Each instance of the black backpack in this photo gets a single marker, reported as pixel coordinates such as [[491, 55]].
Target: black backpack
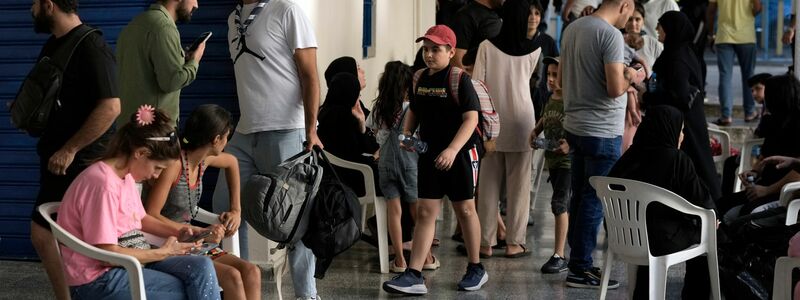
[[39, 94], [335, 224]]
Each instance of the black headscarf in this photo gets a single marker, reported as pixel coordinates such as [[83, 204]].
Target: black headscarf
[[678, 28], [513, 37], [344, 64], [343, 90], [677, 44], [660, 128]]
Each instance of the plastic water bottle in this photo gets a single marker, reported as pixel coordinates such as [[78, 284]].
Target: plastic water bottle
[[652, 83], [413, 143]]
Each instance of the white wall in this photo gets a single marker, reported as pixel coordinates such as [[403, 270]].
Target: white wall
[[338, 25]]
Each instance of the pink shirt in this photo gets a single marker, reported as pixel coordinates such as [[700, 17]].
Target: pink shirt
[[97, 208]]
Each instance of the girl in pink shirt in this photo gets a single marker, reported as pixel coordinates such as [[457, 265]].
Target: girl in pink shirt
[[102, 207]]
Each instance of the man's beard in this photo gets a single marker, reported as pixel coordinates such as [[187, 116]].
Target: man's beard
[[42, 23], [185, 15]]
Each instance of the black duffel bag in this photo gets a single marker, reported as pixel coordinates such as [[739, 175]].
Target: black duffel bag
[[335, 223]]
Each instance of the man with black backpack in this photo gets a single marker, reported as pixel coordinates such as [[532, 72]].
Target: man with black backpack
[[80, 122]]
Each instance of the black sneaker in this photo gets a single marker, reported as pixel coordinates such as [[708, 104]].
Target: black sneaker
[[406, 283], [474, 279], [588, 279], [556, 264]]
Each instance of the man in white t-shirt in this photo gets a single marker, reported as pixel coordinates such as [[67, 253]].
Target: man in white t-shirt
[[654, 9], [274, 52]]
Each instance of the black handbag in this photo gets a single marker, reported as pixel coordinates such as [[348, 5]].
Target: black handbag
[[335, 224]]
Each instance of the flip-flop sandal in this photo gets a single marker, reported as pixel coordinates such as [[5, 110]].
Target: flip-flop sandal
[[524, 253]]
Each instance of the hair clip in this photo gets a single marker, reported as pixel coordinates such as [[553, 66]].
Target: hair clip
[[145, 115], [170, 138]]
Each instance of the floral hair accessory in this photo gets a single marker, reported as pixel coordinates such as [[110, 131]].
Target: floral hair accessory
[[145, 115]]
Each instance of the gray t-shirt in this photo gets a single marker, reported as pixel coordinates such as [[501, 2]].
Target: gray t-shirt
[[588, 45]]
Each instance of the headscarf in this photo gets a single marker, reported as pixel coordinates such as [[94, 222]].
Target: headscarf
[[660, 128], [344, 64], [343, 90], [678, 28], [513, 37], [678, 52]]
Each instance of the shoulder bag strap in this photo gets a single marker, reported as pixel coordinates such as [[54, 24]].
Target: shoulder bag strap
[[61, 57]]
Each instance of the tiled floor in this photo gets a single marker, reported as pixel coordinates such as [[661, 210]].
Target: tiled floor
[[356, 275]]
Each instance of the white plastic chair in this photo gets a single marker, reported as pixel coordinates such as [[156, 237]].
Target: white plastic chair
[[725, 142], [61, 236], [789, 201], [624, 205], [369, 198], [745, 158], [782, 284]]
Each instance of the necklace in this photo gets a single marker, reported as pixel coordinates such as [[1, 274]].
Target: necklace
[[192, 195]]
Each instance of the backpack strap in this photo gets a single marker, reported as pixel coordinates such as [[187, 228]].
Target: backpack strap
[[61, 57], [455, 80], [416, 77]]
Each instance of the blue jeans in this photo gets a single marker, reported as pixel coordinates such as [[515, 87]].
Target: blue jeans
[[591, 156], [746, 53], [261, 152], [178, 277]]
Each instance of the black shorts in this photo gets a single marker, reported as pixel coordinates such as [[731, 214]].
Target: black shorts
[[52, 187], [458, 183]]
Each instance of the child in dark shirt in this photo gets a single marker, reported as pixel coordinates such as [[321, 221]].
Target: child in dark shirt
[[450, 165]]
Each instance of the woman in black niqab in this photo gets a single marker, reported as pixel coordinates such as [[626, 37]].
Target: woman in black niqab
[[680, 85], [655, 158]]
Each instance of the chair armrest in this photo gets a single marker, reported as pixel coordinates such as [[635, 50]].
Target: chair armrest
[[207, 217], [230, 244], [791, 212], [787, 192]]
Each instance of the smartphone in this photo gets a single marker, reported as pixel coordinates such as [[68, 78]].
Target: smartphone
[[198, 236], [205, 247], [202, 39]]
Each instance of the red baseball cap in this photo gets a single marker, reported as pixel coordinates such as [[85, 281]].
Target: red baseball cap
[[440, 35]]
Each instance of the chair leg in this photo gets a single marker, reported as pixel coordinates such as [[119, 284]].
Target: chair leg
[[383, 239], [606, 274], [632, 279], [277, 273], [713, 272], [363, 217], [657, 280]]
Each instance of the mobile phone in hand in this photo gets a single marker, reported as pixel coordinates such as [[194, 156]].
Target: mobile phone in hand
[[205, 247], [198, 236], [201, 39]]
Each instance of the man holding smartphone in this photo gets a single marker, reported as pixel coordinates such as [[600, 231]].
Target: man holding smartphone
[[153, 67]]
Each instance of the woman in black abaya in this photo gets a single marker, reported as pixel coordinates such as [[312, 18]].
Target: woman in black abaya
[[680, 84]]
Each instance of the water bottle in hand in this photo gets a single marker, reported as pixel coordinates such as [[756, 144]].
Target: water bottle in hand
[[652, 83], [546, 144], [413, 143]]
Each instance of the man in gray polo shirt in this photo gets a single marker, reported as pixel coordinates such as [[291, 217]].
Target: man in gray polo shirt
[[594, 82]]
